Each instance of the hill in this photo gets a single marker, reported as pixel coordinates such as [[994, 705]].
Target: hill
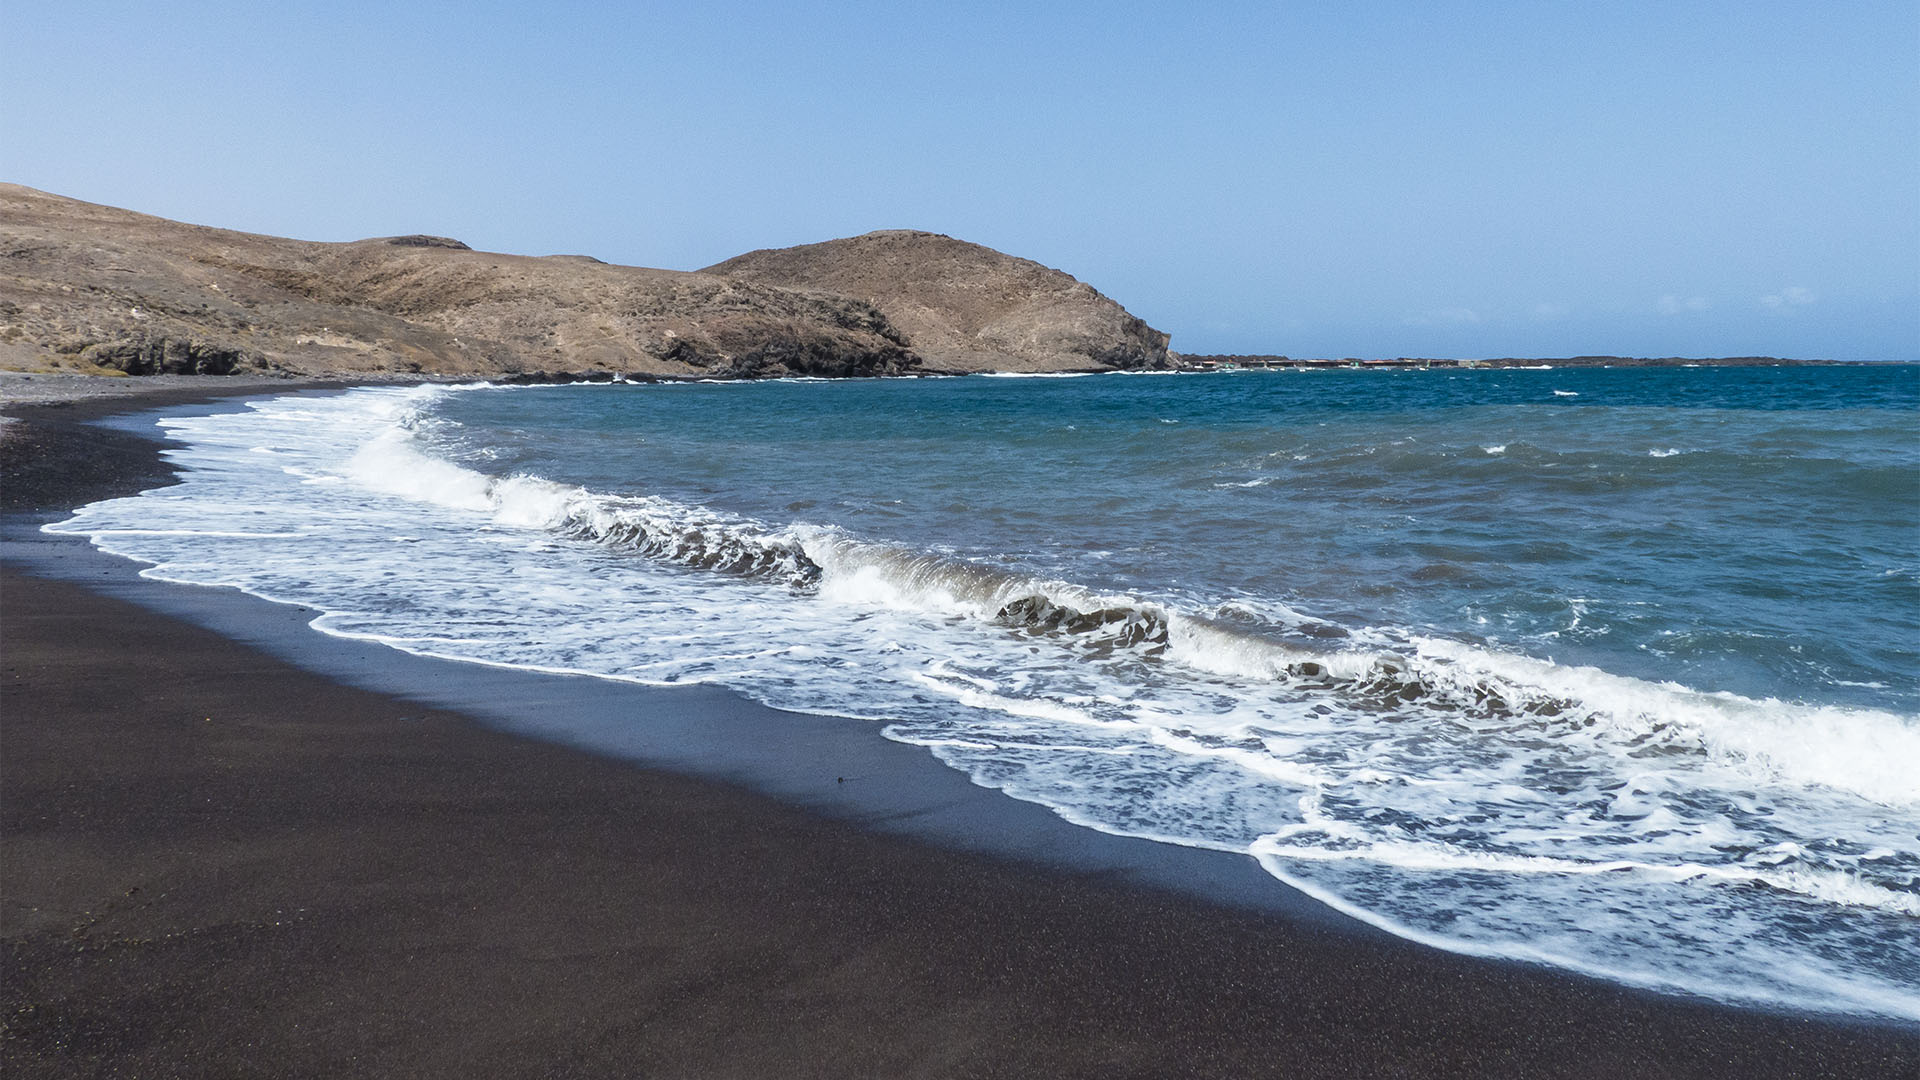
[[964, 307], [94, 288]]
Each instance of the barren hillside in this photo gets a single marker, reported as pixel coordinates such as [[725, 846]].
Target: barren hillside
[[91, 288], [86, 287], [964, 307]]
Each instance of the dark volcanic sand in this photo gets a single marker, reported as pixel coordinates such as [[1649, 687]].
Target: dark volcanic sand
[[217, 864]]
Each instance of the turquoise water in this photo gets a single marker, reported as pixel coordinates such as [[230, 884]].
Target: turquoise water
[[1608, 669]]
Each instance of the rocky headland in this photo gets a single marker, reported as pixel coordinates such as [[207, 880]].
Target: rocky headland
[[98, 290], [964, 307]]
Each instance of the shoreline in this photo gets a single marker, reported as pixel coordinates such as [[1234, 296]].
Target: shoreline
[[58, 387], [1176, 964]]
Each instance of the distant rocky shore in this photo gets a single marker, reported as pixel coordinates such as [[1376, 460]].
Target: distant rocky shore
[[1227, 362], [94, 290]]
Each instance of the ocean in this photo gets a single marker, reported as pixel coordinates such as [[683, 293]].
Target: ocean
[[1616, 670]]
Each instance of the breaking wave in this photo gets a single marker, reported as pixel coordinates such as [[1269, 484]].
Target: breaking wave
[[1858, 751]]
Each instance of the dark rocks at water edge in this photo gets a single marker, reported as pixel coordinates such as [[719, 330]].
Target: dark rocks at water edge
[[94, 289]]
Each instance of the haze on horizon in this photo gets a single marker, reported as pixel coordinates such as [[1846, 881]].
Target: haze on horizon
[[1436, 179]]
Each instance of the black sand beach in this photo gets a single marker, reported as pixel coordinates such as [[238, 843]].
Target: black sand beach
[[220, 863]]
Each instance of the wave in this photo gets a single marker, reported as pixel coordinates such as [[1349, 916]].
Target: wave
[[1829, 886], [1863, 752], [1750, 972], [656, 528]]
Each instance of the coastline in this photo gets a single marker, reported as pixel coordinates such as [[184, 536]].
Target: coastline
[[463, 898]]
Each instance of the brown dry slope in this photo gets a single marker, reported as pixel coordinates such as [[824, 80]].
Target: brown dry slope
[[97, 289], [964, 307]]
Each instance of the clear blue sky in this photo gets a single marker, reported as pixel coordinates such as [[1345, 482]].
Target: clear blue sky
[[1372, 179]]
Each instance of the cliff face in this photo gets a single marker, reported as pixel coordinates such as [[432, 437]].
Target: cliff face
[[87, 287], [963, 307]]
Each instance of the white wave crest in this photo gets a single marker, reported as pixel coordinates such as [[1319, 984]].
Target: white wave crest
[[1869, 753], [1218, 649]]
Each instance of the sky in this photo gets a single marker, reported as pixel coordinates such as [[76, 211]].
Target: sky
[[1315, 179]]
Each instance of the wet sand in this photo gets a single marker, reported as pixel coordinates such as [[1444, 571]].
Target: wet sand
[[220, 863]]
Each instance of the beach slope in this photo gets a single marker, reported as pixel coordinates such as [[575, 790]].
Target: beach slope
[[220, 864]]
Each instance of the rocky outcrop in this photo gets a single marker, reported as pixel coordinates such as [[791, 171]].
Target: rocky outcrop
[[145, 354], [418, 240], [964, 307], [86, 287]]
